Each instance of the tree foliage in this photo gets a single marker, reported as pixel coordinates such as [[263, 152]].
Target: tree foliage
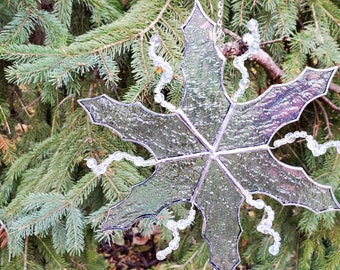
[[53, 52]]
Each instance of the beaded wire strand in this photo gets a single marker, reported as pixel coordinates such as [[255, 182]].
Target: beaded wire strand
[[316, 148]]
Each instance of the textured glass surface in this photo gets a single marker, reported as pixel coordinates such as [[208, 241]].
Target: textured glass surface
[[220, 202], [212, 151], [255, 122], [170, 183], [261, 172], [137, 124], [202, 68]]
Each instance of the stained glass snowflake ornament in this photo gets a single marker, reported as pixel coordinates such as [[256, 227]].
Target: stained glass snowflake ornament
[[212, 151]]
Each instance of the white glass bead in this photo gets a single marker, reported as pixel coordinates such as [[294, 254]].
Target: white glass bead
[[118, 155], [267, 224], [290, 137], [167, 76], [173, 244], [160, 255], [138, 161], [167, 250], [249, 39], [171, 225], [260, 228], [155, 40], [91, 163], [244, 83], [276, 237], [274, 249], [303, 134], [259, 204], [182, 224], [159, 98], [252, 25]]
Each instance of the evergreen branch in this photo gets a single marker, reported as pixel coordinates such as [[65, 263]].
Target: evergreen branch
[[38, 222], [74, 231], [331, 16], [20, 165], [6, 147], [55, 32], [25, 253], [97, 217], [123, 36], [21, 53], [18, 30], [82, 190], [143, 59], [108, 69], [63, 11], [117, 193], [58, 261]]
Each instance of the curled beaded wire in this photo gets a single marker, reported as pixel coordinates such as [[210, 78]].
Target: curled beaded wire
[[266, 224], [253, 41], [174, 227], [167, 74]]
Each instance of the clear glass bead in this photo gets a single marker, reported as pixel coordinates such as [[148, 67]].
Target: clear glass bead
[[159, 98], [182, 224], [252, 25], [91, 163], [259, 204], [274, 250], [155, 40], [173, 244], [171, 225]]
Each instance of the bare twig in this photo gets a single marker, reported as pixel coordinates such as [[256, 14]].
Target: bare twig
[[331, 104], [25, 253], [231, 34], [273, 70], [283, 39], [334, 88], [5, 120], [325, 115]]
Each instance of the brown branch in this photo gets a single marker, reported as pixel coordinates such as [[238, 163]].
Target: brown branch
[[239, 47], [273, 70], [330, 104], [325, 115], [334, 88]]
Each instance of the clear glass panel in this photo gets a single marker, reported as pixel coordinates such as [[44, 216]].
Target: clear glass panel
[[171, 183], [204, 101], [220, 202], [261, 172], [164, 135], [254, 123]]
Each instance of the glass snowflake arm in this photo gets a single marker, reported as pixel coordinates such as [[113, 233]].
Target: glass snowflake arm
[[133, 122], [170, 183], [261, 172], [255, 122], [204, 100], [219, 203]]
